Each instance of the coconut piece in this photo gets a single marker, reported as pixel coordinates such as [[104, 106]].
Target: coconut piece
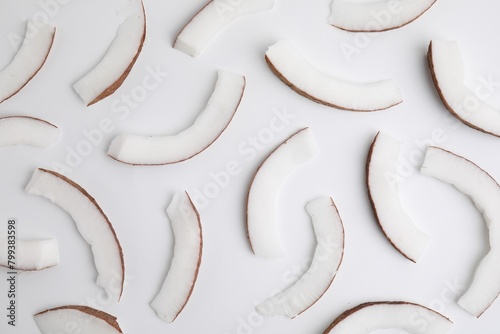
[[376, 16], [484, 192], [25, 130], [76, 319], [305, 79], [368, 317], [181, 278], [328, 255], [398, 228], [207, 127], [211, 19], [91, 222], [448, 74], [261, 226], [28, 60], [109, 74], [30, 255]]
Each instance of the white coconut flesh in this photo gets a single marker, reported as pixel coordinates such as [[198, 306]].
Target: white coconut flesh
[[28, 60], [307, 80], [76, 319], [121, 55], [181, 278], [377, 15], [211, 19], [261, 225], [30, 255], [24, 130], [397, 226], [484, 192], [207, 127], [369, 317], [91, 222], [329, 232], [448, 74]]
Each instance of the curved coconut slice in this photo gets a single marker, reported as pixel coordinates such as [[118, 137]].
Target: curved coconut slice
[[484, 191], [181, 277], [261, 227], [28, 60], [328, 255], [445, 62], [104, 79], [384, 199], [305, 79], [91, 222], [30, 254], [368, 317], [208, 126], [25, 130], [376, 16], [211, 19], [76, 319]]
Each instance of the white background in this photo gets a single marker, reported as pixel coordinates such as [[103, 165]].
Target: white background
[[231, 278]]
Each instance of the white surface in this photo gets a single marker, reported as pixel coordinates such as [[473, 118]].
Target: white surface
[[232, 279]]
